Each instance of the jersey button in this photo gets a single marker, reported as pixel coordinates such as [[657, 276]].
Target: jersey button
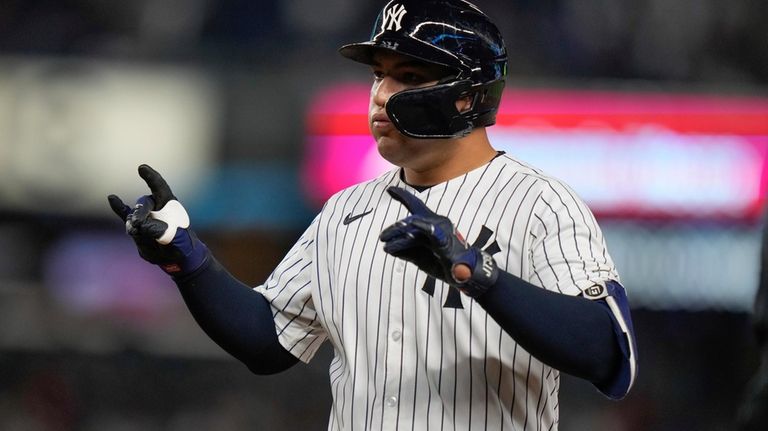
[[396, 335], [392, 401], [399, 267]]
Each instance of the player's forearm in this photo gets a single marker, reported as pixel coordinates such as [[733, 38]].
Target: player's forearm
[[236, 317], [572, 334]]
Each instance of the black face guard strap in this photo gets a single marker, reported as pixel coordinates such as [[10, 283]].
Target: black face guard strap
[[430, 112]]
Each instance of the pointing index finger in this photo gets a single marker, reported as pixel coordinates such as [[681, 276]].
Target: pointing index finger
[[414, 204], [122, 210], [161, 192]]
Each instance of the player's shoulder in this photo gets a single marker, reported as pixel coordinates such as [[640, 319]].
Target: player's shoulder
[[543, 183], [535, 174]]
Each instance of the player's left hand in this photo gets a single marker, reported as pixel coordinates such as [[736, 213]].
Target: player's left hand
[[430, 241]]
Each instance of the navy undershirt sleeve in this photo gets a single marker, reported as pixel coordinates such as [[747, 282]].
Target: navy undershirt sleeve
[[570, 333], [236, 317]]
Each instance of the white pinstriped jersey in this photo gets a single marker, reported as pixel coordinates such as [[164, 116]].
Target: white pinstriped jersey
[[410, 352]]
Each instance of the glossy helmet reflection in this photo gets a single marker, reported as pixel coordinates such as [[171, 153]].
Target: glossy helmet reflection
[[452, 33]]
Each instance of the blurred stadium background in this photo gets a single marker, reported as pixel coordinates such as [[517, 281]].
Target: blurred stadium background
[[656, 111]]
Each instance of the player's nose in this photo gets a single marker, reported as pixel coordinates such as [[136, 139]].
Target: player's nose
[[383, 90]]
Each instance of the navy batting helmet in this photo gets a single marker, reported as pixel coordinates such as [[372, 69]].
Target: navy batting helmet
[[451, 33]]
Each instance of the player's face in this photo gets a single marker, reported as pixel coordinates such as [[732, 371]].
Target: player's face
[[393, 73]]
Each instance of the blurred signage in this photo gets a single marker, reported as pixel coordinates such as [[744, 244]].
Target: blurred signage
[[73, 131], [629, 155]]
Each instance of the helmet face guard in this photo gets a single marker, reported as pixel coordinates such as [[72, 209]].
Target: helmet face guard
[[430, 112], [451, 33]]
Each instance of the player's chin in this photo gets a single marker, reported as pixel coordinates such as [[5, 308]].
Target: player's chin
[[393, 148], [386, 135]]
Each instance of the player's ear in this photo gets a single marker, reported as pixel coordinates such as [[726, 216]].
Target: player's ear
[[464, 104]]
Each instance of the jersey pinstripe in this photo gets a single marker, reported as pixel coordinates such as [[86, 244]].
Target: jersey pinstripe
[[410, 352]]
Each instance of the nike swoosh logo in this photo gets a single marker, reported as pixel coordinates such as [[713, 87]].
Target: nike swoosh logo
[[350, 218]]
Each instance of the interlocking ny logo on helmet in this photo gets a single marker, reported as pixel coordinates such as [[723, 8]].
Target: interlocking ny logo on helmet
[[451, 33], [392, 17]]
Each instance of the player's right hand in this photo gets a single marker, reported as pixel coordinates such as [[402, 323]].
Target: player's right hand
[[431, 241], [159, 225]]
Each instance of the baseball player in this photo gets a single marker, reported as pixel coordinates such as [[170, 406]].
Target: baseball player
[[455, 288]]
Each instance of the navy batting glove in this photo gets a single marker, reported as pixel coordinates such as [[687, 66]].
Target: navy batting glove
[[159, 225], [432, 243]]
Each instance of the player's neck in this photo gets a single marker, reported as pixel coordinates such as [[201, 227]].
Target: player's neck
[[468, 153]]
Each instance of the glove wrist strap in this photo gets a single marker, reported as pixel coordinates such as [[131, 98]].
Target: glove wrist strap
[[195, 254], [484, 275]]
